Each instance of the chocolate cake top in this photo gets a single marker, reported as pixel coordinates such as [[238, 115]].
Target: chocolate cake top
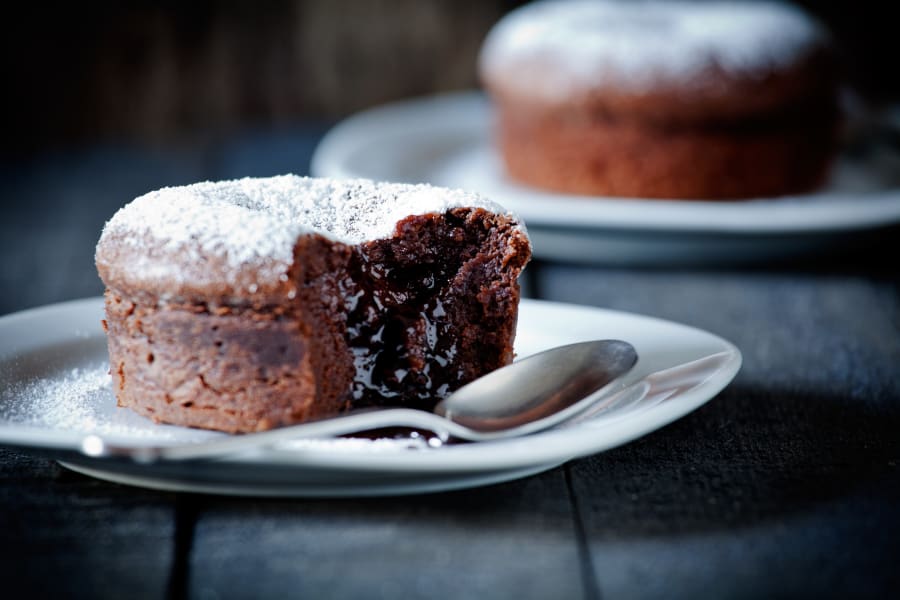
[[235, 239]]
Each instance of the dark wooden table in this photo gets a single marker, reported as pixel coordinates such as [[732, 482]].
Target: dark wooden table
[[786, 485]]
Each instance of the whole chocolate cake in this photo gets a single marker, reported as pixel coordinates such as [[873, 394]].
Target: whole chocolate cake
[[663, 99], [251, 304]]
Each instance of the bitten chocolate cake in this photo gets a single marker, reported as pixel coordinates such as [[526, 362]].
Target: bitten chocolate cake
[[251, 304], [682, 100]]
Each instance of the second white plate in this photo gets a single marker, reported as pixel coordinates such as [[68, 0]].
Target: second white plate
[[446, 140]]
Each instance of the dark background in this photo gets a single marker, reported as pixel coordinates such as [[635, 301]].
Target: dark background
[[787, 485], [161, 72]]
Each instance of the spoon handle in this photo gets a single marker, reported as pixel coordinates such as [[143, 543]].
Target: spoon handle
[[97, 447]]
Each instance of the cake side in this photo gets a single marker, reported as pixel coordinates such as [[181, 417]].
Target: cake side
[[228, 370], [568, 152]]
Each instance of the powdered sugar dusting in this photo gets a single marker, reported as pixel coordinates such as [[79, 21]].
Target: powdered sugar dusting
[[256, 221], [637, 44], [78, 400]]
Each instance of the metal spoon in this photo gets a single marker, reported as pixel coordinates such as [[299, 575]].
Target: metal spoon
[[530, 395]]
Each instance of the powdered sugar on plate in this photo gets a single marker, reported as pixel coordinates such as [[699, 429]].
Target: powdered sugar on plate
[[77, 400], [80, 400]]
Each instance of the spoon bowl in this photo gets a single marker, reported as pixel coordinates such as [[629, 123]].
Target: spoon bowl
[[539, 391], [529, 395]]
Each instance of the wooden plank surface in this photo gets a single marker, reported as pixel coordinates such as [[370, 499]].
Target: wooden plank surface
[[517, 538], [64, 535]]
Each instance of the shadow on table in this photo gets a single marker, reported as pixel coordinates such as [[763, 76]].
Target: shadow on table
[[748, 456]]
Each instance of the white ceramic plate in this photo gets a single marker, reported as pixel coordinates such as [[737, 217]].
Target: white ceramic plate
[[445, 140], [55, 390]]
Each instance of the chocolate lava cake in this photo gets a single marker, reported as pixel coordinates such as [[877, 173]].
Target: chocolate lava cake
[[663, 99], [257, 303]]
